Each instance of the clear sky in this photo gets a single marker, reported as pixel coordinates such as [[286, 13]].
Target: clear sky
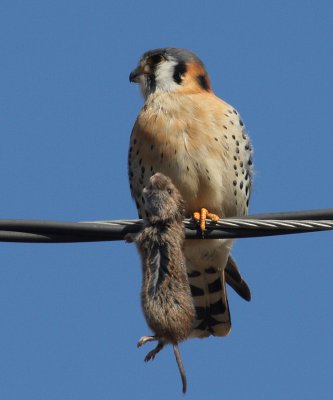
[[70, 315]]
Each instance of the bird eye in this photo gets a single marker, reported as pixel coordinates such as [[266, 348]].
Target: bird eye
[[156, 59], [169, 191]]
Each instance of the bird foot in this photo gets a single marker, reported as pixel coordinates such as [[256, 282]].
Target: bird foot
[[200, 218]]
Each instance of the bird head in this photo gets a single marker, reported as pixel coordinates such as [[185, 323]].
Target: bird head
[[170, 70]]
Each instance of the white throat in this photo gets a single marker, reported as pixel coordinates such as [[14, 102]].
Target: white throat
[[164, 81], [164, 76]]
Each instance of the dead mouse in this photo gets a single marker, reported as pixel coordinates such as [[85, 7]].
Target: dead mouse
[[165, 296]]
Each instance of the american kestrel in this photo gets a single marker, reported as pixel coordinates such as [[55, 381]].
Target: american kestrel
[[189, 134]]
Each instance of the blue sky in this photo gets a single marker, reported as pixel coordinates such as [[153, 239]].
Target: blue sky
[[69, 313]]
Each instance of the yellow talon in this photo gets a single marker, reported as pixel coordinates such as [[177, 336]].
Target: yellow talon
[[202, 216]]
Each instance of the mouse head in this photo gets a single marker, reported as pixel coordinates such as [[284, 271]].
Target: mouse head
[[162, 199]]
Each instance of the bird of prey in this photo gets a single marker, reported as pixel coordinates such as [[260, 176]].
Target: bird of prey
[[189, 134]]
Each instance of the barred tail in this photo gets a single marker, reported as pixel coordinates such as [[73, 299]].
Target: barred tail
[[208, 289]]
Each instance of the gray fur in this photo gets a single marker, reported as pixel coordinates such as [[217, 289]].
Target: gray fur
[[165, 296]]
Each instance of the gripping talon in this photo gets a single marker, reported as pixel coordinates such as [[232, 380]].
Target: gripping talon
[[201, 217], [213, 217]]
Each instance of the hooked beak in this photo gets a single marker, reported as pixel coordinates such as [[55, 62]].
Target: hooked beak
[[135, 75]]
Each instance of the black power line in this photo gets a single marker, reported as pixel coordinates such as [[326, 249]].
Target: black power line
[[33, 231]]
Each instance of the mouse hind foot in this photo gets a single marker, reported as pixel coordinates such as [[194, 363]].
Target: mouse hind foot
[[151, 355], [146, 339]]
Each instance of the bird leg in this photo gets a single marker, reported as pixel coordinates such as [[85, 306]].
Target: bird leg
[[201, 217]]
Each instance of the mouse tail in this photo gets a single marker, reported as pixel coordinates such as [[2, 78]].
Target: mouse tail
[[180, 366]]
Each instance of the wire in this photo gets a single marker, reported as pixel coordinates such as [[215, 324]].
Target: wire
[[34, 231]]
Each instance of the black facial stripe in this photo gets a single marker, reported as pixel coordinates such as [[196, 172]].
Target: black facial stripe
[[203, 82], [179, 71], [151, 82]]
